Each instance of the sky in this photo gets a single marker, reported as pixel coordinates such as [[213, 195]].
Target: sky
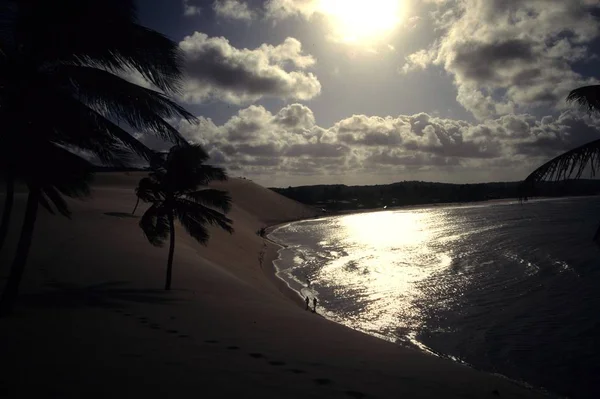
[[300, 92]]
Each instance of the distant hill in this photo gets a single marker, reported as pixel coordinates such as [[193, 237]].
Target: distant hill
[[342, 197]]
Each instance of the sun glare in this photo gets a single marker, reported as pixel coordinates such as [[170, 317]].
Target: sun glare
[[360, 20]]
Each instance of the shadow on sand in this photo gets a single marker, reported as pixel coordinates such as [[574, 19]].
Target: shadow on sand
[[121, 215], [110, 294]]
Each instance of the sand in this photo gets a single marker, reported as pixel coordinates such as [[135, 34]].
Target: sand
[[93, 320]]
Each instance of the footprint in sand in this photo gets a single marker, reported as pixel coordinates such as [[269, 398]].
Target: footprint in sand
[[233, 347], [155, 326], [211, 341], [296, 371], [276, 363], [356, 394], [183, 336], [173, 363], [172, 331], [323, 381], [132, 355], [256, 355]]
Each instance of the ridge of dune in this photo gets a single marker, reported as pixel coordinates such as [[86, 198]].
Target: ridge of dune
[[93, 320]]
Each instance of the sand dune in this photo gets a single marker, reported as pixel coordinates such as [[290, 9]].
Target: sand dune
[[94, 322]]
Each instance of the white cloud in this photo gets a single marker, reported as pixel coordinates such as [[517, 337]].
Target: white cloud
[[281, 9], [233, 9], [510, 56], [217, 70], [190, 10], [373, 149]]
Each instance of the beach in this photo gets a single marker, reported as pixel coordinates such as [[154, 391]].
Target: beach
[[93, 320]]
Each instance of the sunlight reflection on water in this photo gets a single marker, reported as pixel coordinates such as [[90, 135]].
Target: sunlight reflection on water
[[377, 260]]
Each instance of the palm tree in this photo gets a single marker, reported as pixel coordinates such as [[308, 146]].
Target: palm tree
[[573, 163], [63, 173], [173, 190], [73, 74], [137, 202]]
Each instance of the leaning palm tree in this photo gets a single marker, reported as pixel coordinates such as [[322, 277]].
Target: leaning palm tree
[[572, 164], [63, 174], [137, 202], [76, 78], [176, 188]]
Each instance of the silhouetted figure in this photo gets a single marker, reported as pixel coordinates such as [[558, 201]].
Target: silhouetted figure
[[307, 302], [314, 305]]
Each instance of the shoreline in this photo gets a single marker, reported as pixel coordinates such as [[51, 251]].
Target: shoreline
[[297, 297]]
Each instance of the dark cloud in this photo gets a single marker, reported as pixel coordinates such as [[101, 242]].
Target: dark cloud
[[511, 56], [483, 61], [215, 69], [317, 150]]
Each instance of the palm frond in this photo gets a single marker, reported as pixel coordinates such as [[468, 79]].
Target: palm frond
[[204, 215], [57, 200], [186, 157], [194, 227], [208, 173], [46, 204], [118, 99], [57, 172], [75, 124], [569, 165], [212, 198], [57, 167], [64, 173], [149, 190], [123, 43], [186, 170], [157, 58], [155, 225], [587, 97]]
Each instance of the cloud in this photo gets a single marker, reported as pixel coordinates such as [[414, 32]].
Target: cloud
[[217, 70], [233, 9], [281, 9], [291, 148], [510, 56], [190, 10]]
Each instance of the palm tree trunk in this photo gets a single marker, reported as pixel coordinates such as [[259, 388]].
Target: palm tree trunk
[[136, 205], [8, 204], [171, 251], [18, 267]]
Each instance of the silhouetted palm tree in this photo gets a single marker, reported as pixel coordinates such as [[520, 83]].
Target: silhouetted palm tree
[[137, 202], [173, 190], [573, 163], [63, 173], [65, 56]]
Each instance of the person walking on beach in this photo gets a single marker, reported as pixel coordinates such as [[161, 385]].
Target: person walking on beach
[[314, 305], [307, 302]]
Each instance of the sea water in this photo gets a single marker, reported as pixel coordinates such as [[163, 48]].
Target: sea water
[[508, 288]]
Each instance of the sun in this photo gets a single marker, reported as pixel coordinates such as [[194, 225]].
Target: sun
[[356, 21]]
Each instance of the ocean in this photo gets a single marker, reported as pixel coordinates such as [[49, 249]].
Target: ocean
[[508, 288]]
